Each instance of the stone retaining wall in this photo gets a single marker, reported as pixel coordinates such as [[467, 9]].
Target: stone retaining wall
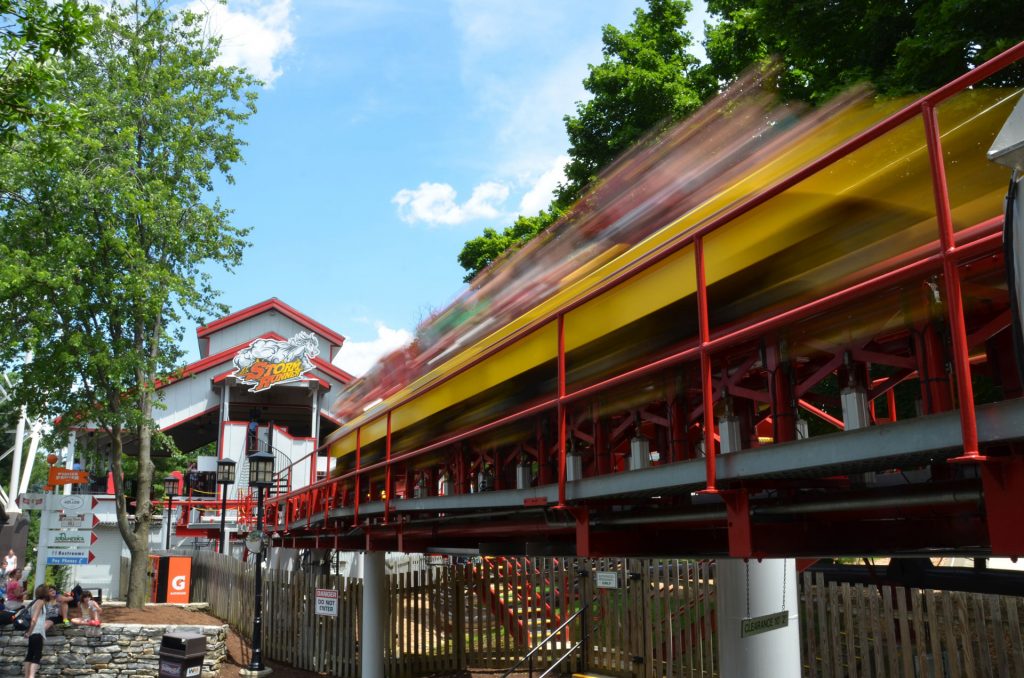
[[108, 650]]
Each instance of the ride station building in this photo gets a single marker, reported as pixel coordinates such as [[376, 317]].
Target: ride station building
[[264, 380]]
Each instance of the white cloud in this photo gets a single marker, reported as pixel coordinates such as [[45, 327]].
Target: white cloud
[[539, 197], [255, 33], [356, 357], [436, 203]]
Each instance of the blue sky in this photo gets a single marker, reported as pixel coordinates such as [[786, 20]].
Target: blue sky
[[390, 132]]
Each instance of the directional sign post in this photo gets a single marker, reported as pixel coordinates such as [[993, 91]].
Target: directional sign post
[[66, 530], [72, 504], [32, 501], [72, 538], [67, 476], [84, 521], [69, 556]]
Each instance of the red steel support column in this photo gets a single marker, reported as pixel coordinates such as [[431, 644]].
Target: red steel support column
[[543, 458], [387, 472], [678, 449], [783, 398], [954, 301], [602, 453], [358, 478], [561, 410], [707, 384]]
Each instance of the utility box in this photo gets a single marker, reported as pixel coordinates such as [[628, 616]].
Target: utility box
[[172, 579], [181, 655]]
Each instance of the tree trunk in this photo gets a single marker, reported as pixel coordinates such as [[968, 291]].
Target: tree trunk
[[139, 582], [136, 537]]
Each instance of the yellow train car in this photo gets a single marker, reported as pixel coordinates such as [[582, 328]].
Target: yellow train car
[[833, 229]]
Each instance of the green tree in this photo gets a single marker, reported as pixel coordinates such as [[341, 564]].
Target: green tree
[[825, 47], [647, 78], [479, 252], [106, 249], [34, 36]]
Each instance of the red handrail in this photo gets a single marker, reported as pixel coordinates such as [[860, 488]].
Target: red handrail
[[947, 257]]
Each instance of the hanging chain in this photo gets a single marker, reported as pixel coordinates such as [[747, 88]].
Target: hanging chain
[[747, 563], [783, 584]]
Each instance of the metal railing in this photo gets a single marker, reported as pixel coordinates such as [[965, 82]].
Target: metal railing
[[528, 657]]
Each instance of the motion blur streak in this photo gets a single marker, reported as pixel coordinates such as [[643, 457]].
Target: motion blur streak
[[844, 224]]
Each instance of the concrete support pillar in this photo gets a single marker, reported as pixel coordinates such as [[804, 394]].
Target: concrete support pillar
[[753, 590], [371, 651]]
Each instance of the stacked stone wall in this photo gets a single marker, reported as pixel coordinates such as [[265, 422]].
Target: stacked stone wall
[[108, 650]]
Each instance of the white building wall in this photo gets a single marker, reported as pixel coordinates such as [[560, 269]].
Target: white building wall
[[247, 330], [189, 397], [297, 451]]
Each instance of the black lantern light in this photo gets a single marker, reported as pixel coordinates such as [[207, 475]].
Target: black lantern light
[[171, 485], [225, 477], [261, 475]]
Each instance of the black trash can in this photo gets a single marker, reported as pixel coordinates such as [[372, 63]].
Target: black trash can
[[181, 655]]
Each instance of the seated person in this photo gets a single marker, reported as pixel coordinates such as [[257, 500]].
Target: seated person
[[56, 609], [90, 610], [15, 598]]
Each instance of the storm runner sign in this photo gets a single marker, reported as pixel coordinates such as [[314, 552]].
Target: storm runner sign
[[268, 362]]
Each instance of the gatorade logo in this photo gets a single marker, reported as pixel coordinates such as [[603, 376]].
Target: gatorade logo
[[178, 583]]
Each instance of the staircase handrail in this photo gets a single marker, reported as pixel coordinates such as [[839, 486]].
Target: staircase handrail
[[536, 648]]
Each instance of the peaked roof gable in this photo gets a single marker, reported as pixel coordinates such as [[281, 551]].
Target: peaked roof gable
[[272, 304]]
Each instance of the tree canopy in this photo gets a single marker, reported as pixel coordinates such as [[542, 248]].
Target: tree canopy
[[648, 77], [34, 37], [898, 47], [107, 244]]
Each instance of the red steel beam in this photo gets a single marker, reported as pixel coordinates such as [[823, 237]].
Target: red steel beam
[[673, 245], [710, 470], [561, 410], [951, 278], [947, 258]]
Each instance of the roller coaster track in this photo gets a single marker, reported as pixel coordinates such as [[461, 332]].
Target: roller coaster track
[[870, 273]]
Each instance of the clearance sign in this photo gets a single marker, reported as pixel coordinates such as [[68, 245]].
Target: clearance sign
[[268, 362]]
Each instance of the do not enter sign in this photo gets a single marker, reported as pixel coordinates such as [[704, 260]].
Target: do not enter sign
[[327, 602]]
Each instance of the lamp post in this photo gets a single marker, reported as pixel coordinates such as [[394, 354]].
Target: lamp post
[[170, 489], [261, 476], [225, 477]]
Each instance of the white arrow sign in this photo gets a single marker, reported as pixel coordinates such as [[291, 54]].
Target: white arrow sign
[[84, 521], [75, 538], [69, 556], [71, 504], [32, 501]]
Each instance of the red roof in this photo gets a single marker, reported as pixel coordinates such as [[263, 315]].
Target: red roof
[[273, 304]]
